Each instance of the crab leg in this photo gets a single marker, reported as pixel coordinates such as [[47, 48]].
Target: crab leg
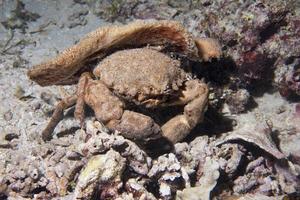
[[110, 110], [57, 116], [77, 99], [180, 126], [80, 104]]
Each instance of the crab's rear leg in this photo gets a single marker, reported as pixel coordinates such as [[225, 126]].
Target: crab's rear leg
[[65, 103], [195, 97], [80, 104], [57, 116]]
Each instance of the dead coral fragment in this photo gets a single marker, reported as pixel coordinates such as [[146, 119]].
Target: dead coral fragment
[[206, 183], [100, 141], [190, 155], [100, 170], [256, 196], [289, 84], [229, 157], [238, 101], [258, 135], [135, 189], [171, 177]]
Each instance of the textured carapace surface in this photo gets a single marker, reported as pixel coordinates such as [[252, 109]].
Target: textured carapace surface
[[141, 74]]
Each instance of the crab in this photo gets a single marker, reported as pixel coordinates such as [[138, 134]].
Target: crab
[[135, 64]]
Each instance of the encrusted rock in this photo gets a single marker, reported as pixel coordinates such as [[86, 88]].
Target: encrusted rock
[[101, 170], [137, 189], [229, 158], [205, 185], [100, 141], [191, 154], [259, 135], [238, 101], [167, 170]]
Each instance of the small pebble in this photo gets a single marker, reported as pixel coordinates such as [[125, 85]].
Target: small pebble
[[3, 142], [17, 186], [280, 109], [234, 123], [43, 182], [20, 174], [60, 169], [36, 105], [8, 115], [10, 136], [5, 145], [19, 92], [72, 155], [64, 142], [47, 110], [16, 64], [46, 97], [34, 174]]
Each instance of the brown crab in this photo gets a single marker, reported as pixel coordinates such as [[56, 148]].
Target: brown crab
[[135, 66]]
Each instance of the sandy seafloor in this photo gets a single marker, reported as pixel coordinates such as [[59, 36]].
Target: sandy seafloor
[[261, 162]]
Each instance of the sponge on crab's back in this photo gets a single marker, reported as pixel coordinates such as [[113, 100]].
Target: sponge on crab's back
[[62, 69]]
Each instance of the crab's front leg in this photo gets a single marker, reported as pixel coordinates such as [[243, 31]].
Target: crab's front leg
[[110, 110], [195, 96]]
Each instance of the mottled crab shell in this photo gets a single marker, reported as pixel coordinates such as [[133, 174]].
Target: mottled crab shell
[[145, 75], [65, 67]]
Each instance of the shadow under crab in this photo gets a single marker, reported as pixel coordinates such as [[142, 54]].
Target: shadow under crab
[[143, 74]]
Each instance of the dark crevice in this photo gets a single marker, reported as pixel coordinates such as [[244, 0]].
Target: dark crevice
[[156, 148], [39, 190], [3, 197], [217, 72], [70, 131], [153, 187], [274, 27], [213, 124]]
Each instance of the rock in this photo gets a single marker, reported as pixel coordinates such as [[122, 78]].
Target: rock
[[100, 170], [8, 115], [259, 135], [10, 136], [205, 185], [238, 101]]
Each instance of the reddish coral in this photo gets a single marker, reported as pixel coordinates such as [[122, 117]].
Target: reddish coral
[[253, 66], [290, 82]]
